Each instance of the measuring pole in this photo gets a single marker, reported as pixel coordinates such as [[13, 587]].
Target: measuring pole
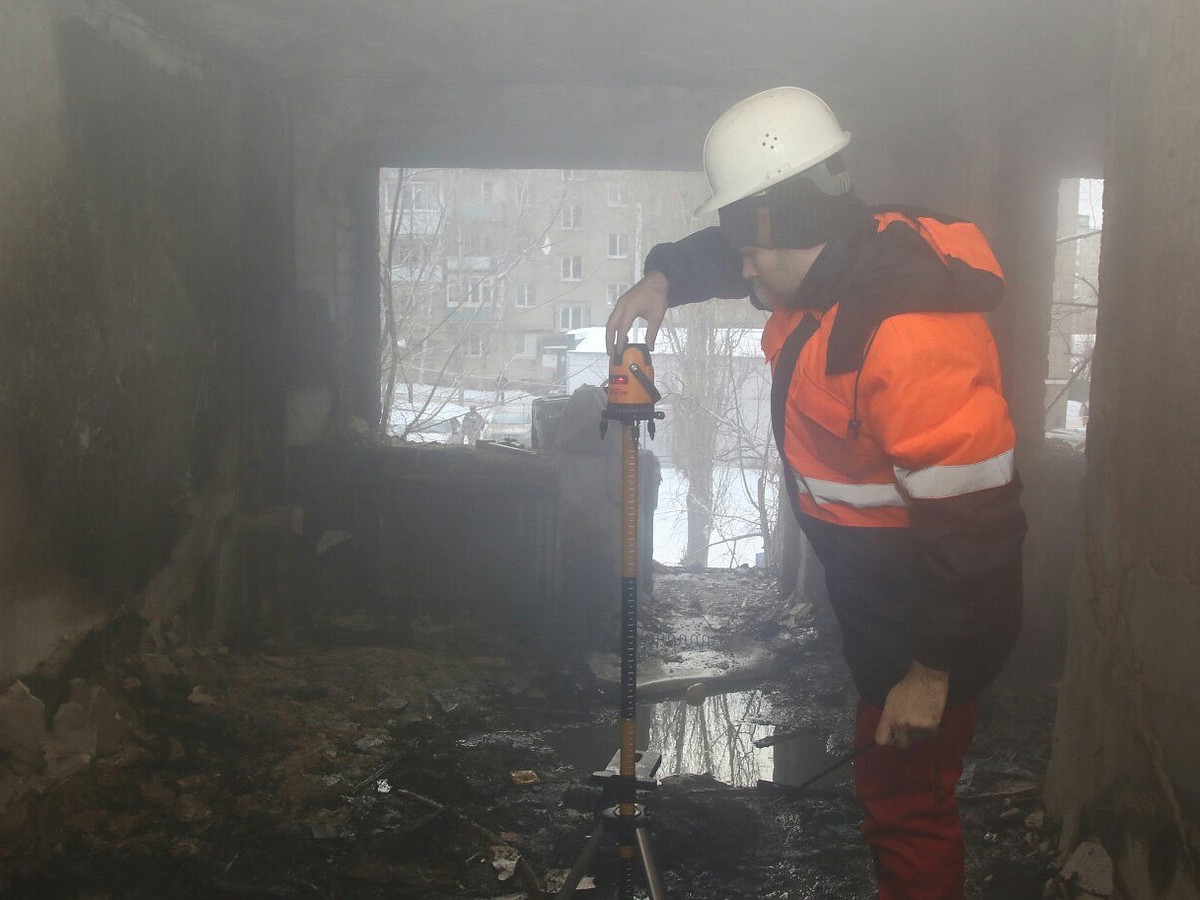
[[627, 799], [631, 399]]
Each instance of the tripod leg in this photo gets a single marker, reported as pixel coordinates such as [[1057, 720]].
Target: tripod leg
[[650, 866], [582, 864]]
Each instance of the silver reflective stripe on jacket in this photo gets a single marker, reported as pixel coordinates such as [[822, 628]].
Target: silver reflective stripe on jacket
[[860, 496], [932, 483], [937, 482]]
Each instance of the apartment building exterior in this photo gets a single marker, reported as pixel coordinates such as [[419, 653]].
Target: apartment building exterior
[[488, 271]]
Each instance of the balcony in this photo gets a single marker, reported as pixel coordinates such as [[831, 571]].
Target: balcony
[[470, 263], [483, 212], [468, 314]]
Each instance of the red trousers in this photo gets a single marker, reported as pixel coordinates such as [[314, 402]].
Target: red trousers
[[910, 812]]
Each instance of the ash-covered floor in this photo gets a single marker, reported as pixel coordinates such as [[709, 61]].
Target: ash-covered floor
[[389, 756]]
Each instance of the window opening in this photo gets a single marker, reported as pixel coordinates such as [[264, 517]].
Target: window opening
[[572, 268], [487, 300], [527, 346], [1072, 337], [523, 295], [570, 317], [618, 246], [572, 217], [481, 292], [475, 346]]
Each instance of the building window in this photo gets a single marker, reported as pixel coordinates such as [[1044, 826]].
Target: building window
[[477, 244], [570, 317], [421, 196], [615, 291], [524, 295], [572, 268], [474, 346], [407, 261], [387, 188], [618, 246], [527, 346], [527, 194], [613, 194], [572, 216], [480, 292]]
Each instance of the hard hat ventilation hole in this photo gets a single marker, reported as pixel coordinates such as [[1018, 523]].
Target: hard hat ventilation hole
[[769, 140]]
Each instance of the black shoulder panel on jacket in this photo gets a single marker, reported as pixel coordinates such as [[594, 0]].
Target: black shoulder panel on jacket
[[896, 271]]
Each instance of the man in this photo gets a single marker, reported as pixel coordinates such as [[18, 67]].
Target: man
[[472, 426], [896, 439]]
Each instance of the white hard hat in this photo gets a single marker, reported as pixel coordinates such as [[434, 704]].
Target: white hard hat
[[766, 139]]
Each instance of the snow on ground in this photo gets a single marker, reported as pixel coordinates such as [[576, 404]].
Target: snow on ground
[[434, 408], [736, 516]]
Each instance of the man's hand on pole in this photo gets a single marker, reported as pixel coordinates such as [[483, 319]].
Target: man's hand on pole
[[913, 709], [645, 300]]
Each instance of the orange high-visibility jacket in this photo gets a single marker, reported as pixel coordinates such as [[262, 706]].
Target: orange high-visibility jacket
[[924, 418], [890, 415]]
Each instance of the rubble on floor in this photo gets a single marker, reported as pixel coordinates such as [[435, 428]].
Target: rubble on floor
[[382, 756]]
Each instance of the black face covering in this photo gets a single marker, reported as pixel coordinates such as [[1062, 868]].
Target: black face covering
[[794, 214]]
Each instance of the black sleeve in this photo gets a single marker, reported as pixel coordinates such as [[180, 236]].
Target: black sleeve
[[699, 267], [969, 606]]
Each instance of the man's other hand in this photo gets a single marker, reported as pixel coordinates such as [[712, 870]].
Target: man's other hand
[[645, 300], [913, 709]]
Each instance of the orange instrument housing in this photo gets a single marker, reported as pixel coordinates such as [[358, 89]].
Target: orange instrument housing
[[630, 387]]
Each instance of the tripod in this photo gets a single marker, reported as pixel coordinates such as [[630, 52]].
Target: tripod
[[630, 831], [631, 399]]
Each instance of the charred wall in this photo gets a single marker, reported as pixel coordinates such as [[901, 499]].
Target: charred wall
[[125, 230], [1128, 730]]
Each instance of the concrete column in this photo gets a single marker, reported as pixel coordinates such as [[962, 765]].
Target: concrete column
[[363, 253], [1025, 244], [1128, 730], [337, 244]]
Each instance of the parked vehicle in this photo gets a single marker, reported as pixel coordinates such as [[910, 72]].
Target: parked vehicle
[[510, 422]]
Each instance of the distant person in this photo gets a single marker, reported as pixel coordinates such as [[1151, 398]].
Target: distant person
[[472, 426], [456, 432], [896, 441]]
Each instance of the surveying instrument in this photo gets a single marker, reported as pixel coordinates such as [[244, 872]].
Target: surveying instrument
[[631, 399]]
